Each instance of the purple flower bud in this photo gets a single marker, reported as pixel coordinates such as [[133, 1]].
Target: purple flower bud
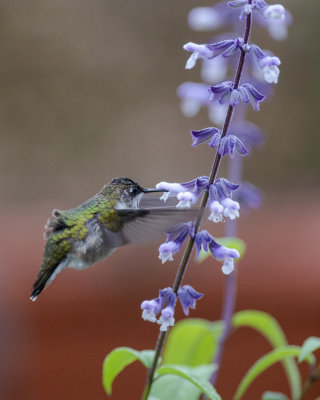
[[216, 212], [230, 143], [167, 314], [186, 199], [203, 238], [205, 134], [221, 189], [231, 208], [222, 252], [268, 64], [221, 92], [188, 298], [251, 95], [166, 251], [150, 309], [228, 265], [166, 319]]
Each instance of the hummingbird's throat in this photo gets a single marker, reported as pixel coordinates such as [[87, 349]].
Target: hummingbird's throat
[[128, 202]]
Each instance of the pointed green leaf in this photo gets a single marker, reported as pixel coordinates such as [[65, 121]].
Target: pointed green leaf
[[118, 359], [278, 354], [309, 346], [192, 342], [274, 396], [271, 330], [191, 375], [171, 387]]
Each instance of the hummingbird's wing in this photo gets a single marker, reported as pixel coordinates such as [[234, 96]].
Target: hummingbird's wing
[[145, 225]]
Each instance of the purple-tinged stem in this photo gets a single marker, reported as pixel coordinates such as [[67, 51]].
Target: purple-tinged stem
[[235, 169], [189, 248]]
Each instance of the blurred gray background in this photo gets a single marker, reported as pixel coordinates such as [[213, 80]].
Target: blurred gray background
[[88, 93]]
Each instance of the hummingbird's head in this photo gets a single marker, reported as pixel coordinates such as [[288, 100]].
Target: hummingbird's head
[[129, 192]]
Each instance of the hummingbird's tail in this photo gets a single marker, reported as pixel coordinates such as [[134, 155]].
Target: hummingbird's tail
[[40, 284]]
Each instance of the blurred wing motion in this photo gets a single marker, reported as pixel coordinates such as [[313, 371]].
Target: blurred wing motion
[[146, 225]]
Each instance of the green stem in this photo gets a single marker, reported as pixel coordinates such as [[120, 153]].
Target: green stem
[[314, 377]]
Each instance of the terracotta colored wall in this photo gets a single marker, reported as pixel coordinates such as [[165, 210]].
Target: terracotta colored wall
[[54, 348]]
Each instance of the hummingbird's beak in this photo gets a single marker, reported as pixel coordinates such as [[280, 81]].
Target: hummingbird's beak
[[154, 191]]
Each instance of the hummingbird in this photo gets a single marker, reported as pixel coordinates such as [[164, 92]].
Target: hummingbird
[[115, 216]]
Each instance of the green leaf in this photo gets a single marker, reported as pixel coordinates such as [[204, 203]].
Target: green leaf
[[171, 387], [278, 354], [180, 389], [309, 346], [274, 396], [271, 330], [192, 342], [230, 242], [118, 359]]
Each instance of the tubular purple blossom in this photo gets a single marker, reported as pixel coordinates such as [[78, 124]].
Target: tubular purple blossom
[[203, 135], [188, 298], [229, 144]]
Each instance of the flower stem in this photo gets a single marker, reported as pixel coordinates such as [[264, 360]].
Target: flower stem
[[189, 248], [314, 377]]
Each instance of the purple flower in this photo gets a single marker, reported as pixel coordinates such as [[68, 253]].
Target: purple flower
[[166, 319], [268, 64], [175, 239], [230, 208], [186, 199], [207, 51], [167, 314], [224, 93], [188, 298], [221, 92], [229, 144], [205, 240], [221, 189], [172, 189], [251, 95], [150, 308], [216, 212], [205, 134], [187, 193], [166, 251]]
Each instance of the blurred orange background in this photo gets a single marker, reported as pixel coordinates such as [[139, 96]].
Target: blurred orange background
[[87, 94]]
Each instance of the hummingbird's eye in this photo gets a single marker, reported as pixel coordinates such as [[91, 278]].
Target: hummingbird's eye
[[134, 190]]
